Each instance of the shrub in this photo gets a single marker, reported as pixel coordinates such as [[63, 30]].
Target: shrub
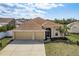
[[3, 29], [77, 42], [9, 27], [6, 28]]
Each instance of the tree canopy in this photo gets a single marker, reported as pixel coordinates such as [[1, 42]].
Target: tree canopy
[[65, 21]]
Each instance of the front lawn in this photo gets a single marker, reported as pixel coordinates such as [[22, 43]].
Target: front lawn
[[4, 42], [61, 49], [73, 37]]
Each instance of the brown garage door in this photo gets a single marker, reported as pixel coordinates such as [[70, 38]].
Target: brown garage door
[[23, 35]]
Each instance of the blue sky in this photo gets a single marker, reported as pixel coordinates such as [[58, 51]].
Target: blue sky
[[44, 10]]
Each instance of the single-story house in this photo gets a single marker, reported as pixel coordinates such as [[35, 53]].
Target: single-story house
[[37, 28], [73, 27], [7, 21]]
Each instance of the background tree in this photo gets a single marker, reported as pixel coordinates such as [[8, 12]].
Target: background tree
[[65, 21], [3, 29]]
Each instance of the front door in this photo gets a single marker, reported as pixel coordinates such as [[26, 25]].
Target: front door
[[48, 33]]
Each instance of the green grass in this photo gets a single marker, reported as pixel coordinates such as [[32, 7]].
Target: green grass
[[4, 42], [61, 49], [73, 37]]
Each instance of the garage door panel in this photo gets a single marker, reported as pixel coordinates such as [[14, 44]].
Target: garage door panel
[[39, 35], [23, 35]]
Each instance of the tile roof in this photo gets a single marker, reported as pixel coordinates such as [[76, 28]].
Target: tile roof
[[37, 24], [29, 25]]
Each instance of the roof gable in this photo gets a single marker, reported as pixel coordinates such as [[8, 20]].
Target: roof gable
[[39, 20]]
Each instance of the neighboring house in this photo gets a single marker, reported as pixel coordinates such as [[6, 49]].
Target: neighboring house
[[73, 27], [4, 22], [18, 23], [7, 21], [38, 28]]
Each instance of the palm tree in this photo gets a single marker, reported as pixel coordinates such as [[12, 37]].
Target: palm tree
[[64, 30]]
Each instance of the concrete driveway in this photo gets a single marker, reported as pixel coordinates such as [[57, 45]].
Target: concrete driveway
[[24, 48]]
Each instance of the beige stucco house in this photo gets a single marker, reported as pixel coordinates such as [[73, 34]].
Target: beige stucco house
[[37, 29]]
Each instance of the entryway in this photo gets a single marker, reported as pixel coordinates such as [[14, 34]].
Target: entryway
[[48, 33]]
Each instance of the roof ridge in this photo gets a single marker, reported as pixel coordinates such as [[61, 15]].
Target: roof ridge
[[36, 23]]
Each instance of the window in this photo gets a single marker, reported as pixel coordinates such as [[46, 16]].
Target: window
[[56, 34]]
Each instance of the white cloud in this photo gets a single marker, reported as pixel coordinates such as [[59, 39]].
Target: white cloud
[[61, 5], [40, 11], [30, 10], [47, 5]]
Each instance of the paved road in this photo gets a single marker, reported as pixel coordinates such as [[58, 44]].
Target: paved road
[[24, 48]]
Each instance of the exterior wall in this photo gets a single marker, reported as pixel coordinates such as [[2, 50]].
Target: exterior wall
[[54, 31]]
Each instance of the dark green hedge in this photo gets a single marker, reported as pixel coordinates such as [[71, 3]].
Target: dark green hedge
[[6, 28]]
